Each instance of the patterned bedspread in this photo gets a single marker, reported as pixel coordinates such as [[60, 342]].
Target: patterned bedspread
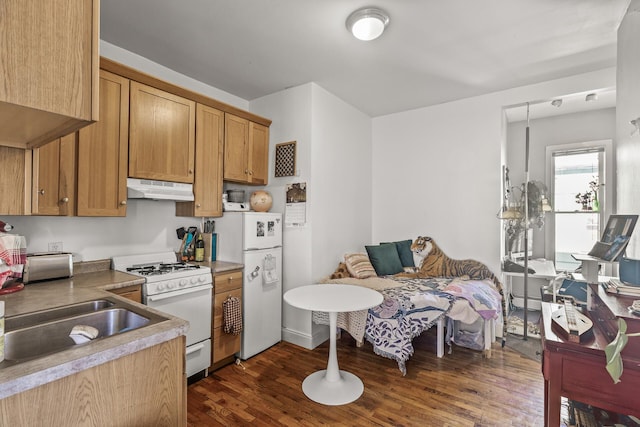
[[392, 326], [410, 307]]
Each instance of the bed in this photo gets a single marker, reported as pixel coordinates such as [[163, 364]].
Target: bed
[[414, 305]]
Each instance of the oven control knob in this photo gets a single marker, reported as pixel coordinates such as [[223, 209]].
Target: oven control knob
[[194, 280], [183, 282], [202, 279], [160, 286], [171, 285]]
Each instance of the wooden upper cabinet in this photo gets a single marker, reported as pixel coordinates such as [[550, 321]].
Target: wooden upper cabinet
[[49, 60], [246, 151], [161, 135], [54, 177], [15, 181], [236, 154], [259, 154], [207, 184], [102, 152]]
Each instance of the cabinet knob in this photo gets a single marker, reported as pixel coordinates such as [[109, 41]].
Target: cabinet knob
[[246, 171], [124, 202], [230, 278], [250, 172], [190, 171], [198, 205], [65, 200], [41, 192]]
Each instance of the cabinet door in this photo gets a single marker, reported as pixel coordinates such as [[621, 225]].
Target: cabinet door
[[259, 154], [134, 292], [161, 135], [49, 60], [236, 142], [207, 183], [15, 181], [102, 152], [219, 298], [54, 177]]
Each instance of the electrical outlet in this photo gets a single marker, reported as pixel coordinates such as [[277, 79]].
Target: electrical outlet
[[55, 246]]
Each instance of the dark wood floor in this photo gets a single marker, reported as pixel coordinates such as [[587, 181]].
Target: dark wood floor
[[461, 389]]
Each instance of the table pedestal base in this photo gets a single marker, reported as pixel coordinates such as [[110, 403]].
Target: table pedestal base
[[345, 390]]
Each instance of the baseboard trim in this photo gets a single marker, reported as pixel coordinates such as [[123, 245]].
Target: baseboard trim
[[305, 340]]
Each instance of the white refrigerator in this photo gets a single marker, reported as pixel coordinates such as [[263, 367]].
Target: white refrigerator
[[255, 239]]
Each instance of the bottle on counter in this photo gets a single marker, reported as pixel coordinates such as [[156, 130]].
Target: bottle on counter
[[199, 249]]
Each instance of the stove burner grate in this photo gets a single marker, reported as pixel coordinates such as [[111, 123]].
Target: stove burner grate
[[162, 268]]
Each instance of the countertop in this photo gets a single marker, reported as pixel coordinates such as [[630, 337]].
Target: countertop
[[84, 287]]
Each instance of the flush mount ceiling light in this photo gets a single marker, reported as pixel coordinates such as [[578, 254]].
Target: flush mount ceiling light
[[367, 23], [591, 97], [557, 102]]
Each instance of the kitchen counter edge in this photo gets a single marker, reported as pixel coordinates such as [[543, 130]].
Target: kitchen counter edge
[[82, 287]]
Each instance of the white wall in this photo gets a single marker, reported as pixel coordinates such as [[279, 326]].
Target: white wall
[[334, 159], [290, 112], [628, 108], [436, 170], [342, 189]]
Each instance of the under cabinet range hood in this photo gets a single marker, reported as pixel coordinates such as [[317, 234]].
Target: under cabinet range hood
[[159, 190]]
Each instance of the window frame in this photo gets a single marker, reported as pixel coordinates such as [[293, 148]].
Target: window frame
[[607, 190]]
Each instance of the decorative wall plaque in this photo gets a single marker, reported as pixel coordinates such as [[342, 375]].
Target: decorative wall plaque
[[285, 159]]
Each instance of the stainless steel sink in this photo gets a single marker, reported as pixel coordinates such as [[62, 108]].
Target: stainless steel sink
[[38, 317], [39, 334]]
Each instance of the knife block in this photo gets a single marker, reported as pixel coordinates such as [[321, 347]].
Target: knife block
[[210, 246]]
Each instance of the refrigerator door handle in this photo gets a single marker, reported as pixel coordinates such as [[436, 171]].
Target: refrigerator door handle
[[254, 273]]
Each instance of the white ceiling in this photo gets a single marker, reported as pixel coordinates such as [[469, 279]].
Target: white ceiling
[[433, 51]]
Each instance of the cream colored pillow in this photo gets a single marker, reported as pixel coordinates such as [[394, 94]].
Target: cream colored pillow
[[359, 266]]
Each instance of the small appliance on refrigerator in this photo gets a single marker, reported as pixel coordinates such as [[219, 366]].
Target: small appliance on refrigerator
[[255, 239]]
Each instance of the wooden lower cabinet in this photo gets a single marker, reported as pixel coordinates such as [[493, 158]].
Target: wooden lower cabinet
[[146, 388], [134, 292], [224, 346]]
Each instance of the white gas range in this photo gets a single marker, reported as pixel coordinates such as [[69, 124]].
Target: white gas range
[[180, 289]]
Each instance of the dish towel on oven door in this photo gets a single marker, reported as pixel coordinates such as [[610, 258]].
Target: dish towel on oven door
[[232, 315], [270, 272]]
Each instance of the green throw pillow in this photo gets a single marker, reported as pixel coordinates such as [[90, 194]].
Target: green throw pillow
[[385, 259], [404, 251]]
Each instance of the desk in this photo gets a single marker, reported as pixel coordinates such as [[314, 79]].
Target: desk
[[333, 386], [577, 371]]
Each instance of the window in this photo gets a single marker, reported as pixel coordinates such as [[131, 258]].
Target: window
[[578, 174]]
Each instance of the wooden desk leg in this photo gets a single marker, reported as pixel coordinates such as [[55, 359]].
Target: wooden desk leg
[[546, 403], [552, 397]]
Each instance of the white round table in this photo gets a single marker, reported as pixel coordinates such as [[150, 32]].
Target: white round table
[[333, 386]]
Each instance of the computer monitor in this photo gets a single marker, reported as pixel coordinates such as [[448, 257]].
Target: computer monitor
[[615, 237]]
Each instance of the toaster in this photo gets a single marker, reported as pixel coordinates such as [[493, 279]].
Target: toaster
[[47, 266]]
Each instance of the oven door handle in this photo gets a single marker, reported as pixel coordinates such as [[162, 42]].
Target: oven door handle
[[194, 348], [172, 294]]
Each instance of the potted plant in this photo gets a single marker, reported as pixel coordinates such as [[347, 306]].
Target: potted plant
[[614, 348], [589, 199]]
